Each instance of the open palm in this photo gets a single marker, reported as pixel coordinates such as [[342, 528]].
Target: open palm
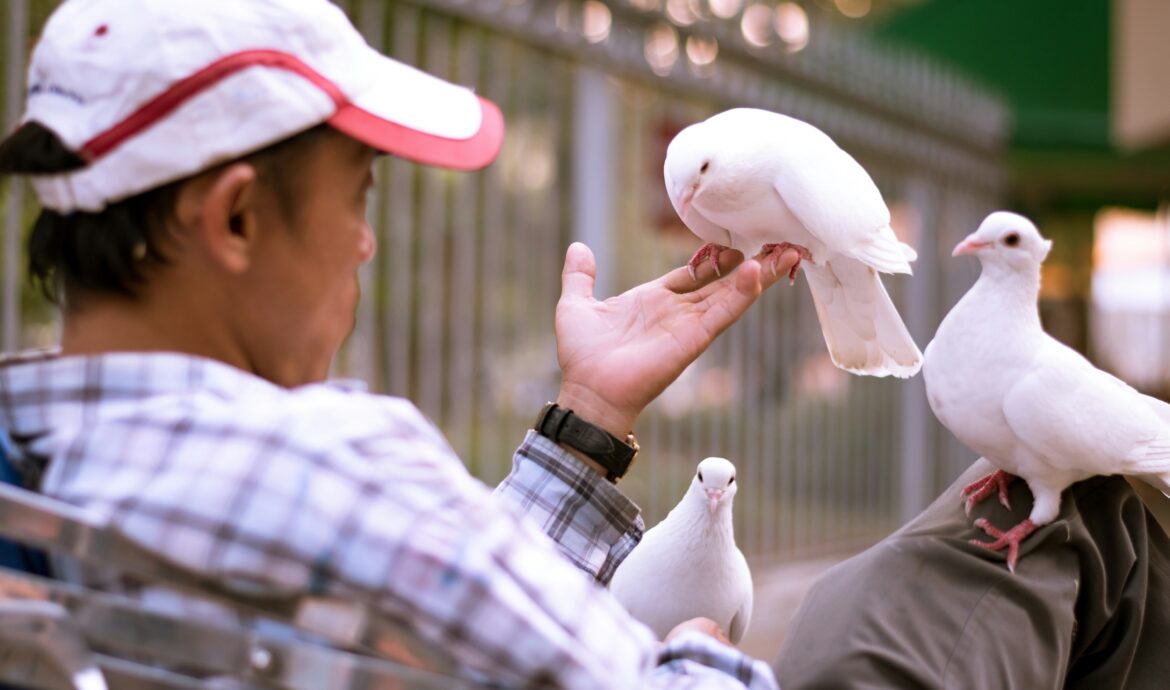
[[619, 354]]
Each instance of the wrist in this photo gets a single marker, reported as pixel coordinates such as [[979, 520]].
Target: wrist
[[601, 451], [590, 407]]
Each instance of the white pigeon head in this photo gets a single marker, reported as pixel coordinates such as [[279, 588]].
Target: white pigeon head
[[689, 161], [714, 483], [1006, 240]]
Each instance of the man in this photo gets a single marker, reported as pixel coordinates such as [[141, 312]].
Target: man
[[203, 169]]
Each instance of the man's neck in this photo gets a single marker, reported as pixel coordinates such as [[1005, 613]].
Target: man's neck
[[118, 324]]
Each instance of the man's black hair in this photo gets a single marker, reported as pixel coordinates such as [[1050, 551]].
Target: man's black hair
[[71, 254]]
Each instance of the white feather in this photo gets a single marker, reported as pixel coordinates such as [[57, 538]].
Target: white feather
[[688, 565], [1025, 401], [767, 178]]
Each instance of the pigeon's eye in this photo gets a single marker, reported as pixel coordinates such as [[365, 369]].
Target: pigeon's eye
[[730, 480], [1012, 239], [700, 475], [706, 164]]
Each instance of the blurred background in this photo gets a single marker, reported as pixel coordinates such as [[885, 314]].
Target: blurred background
[[1055, 109]]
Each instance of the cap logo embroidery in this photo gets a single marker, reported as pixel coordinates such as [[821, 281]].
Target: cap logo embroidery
[[55, 90]]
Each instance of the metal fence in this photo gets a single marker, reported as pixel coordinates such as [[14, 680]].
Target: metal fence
[[458, 306]]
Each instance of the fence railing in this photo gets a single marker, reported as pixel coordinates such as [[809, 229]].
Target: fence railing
[[458, 304]]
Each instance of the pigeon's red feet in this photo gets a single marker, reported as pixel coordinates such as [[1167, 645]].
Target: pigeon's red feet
[[709, 251], [1010, 539], [978, 491], [775, 249]]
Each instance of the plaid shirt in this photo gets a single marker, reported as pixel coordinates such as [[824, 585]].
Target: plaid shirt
[[327, 489]]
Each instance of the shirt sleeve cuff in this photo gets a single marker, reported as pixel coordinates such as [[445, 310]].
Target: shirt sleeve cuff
[[594, 524], [694, 654]]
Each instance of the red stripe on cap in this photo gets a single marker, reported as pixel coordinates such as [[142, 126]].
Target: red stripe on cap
[[472, 153], [183, 90]]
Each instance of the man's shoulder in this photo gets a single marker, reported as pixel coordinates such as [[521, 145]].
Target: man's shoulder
[[163, 403], [312, 418]]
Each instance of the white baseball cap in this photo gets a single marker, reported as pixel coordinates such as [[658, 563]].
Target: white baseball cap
[[151, 91]]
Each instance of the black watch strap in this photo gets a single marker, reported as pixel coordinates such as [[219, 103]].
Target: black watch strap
[[562, 426]]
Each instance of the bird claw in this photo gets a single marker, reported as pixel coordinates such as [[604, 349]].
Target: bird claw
[[773, 250], [977, 491], [709, 251], [1010, 539]]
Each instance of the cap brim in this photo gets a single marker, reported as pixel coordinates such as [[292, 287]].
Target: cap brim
[[411, 114]]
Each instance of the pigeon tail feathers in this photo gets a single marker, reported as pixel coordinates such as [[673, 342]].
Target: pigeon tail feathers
[[862, 328]]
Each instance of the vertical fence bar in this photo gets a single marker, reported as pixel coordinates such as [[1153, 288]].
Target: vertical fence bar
[[398, 256], [594, 161], [17, 22], [465, 278], [431, 273], [490, 300], [919, 314], [362, 345]]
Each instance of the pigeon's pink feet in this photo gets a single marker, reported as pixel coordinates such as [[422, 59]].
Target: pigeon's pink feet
[[775, 249], [709, 251], [977, 491], [1010, 539]]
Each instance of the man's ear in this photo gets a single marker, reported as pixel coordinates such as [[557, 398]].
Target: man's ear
[[224, 215]]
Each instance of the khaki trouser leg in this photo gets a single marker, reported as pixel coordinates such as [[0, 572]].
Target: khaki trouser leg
[[1088, 607]]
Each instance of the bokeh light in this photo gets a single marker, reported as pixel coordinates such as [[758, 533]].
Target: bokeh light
[[596, 21], [682, 12], [855, 9], [792, 26], [724, 9], [661, 48], [756, 25], [702, 51]]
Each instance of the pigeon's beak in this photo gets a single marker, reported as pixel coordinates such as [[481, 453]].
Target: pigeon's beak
[[713, 498], [968, 246], [688, 197]]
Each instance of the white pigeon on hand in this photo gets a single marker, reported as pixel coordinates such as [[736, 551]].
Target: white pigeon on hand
[[688, 566], [761, 183], [1033, 407]]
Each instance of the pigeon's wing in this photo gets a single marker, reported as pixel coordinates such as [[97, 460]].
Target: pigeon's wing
[[696, 222], [628, 582], [743, 616], [740, 621], [1080, 418], [707, 230], [836, 200]]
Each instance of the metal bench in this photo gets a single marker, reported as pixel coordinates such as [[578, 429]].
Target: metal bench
[[54, 634]]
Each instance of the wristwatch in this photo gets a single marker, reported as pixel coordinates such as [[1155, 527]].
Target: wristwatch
[[560, 425]]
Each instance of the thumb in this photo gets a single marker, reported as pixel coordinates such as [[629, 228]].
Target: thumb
[[579, 273]]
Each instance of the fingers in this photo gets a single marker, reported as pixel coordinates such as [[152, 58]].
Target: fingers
[[723, 303], [579, 273], [720, 304], [679, 280], [783, 265], [747, 283], [705, 626]]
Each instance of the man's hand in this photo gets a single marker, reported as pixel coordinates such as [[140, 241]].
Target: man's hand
[[704, 625], [618, 355]]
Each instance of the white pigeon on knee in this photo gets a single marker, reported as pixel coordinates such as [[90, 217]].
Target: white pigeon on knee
[[761, 182], [1030, 405], [688, 565]]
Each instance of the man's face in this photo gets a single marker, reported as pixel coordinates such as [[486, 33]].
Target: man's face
[[304, 279]]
